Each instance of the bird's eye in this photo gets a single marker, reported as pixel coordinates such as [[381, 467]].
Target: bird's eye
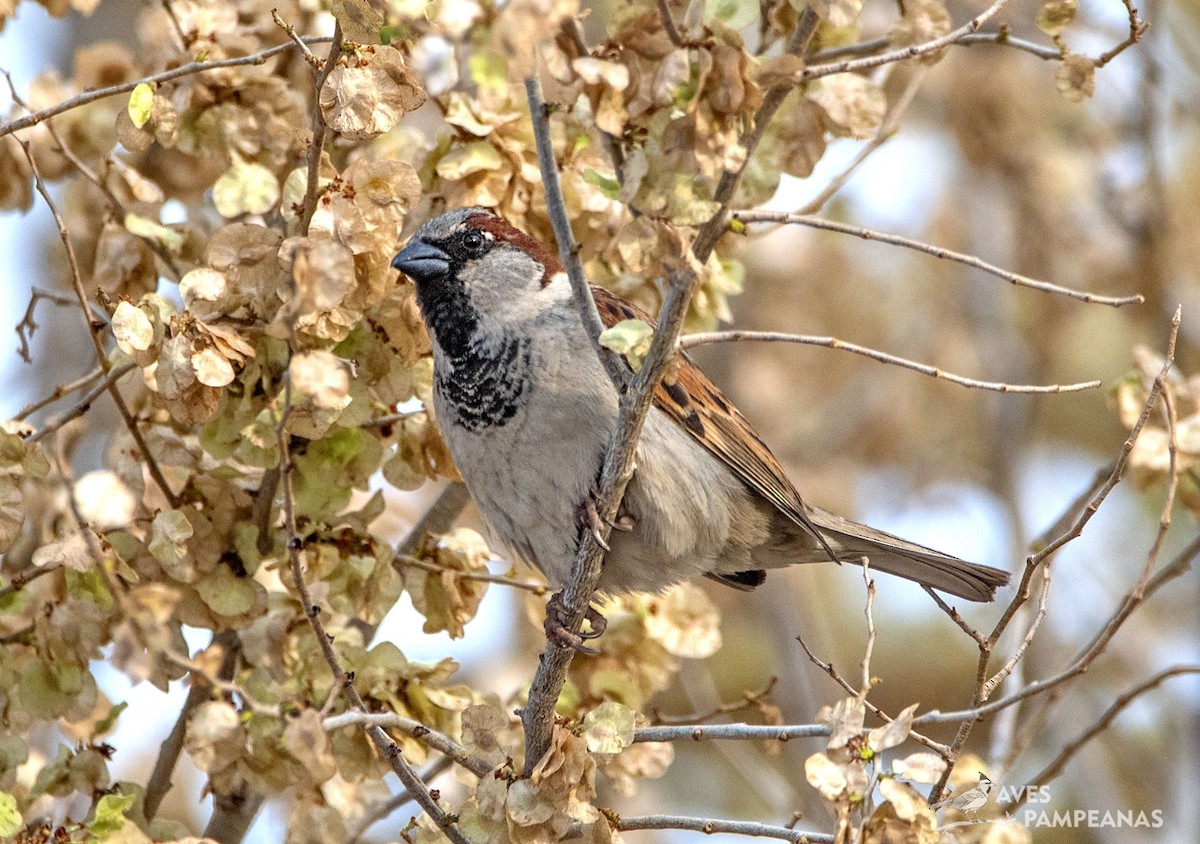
[[473, 241]]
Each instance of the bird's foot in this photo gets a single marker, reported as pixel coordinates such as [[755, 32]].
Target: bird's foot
[[590, 519], [624, 521], [560, 634]]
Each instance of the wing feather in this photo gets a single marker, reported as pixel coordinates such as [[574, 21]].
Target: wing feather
[[691, 400]]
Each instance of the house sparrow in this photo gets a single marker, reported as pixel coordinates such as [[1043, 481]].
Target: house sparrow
[[526, 409]]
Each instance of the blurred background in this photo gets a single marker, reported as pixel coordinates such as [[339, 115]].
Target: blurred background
[[989, 160]]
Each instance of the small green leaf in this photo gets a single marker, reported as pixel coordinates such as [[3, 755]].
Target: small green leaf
[[141, 103], [608, 185], [225, 593], [108, 721], [1056, 15], [631, 338], [110, 814], [151, 230], [732, 13], [11, 821]]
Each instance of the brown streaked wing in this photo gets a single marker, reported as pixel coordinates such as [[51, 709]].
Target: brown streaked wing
[[692, 401]]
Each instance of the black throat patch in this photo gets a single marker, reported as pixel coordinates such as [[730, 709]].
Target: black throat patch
[[485, 383]]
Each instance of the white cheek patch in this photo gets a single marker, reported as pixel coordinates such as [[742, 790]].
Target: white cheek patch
[[560, 276]]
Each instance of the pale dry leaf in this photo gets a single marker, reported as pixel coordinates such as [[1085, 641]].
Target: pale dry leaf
[[322, 377], [71, 552], [825, 775], [923, 767], [131, 328], [367, 96], [1076, 77], [608, 728], [212, 368], [893, 733], [215, 736], [854, 104], [685, 622]]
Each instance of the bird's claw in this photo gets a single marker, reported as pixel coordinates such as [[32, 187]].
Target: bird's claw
[[592, 522], [560, 634]]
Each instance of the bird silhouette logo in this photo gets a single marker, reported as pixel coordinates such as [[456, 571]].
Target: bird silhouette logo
[[970, 801]]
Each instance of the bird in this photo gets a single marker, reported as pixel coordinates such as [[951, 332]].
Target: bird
[[526, 409], [971, 800]]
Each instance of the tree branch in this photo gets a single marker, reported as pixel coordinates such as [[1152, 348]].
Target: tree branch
[[428, 736], [691, 340], [910, 52], [538, 714], [780, 217], [568, 249], [95, 328], [166, 76], [712, 826], [382, 741], [1056, 765], [741, 732], [320, 74]]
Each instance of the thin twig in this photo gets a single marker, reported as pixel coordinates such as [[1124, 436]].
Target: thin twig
[[188, 69], [711, 231], [1164, 519], [26, 327], [428, 736], [92, 176], [999, 38], [568, 249], [320, 74], [882, 357], [749, 699], [869, 648], [1084, 659], [972, 261], [741, 732], [712, 826], [400, 563], [1056, 765], [1137, 28], [291, 33], [85, 403], [159, 781], [910, 52], [95, 328], [978, 637], [1002, 38], [23, 578], [395, 802], [936, 746], [896, 110], [382, 741], [58, 393], [996, 679], [668, 23]]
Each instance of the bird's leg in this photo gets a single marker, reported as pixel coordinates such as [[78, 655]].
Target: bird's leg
[[561, 635]]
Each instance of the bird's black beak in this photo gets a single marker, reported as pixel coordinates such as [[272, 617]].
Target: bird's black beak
[[422, 261]]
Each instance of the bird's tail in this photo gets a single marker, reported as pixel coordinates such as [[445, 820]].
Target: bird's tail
[[897, 556]]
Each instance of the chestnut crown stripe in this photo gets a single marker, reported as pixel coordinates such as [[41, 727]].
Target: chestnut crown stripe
[[504, 232]]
